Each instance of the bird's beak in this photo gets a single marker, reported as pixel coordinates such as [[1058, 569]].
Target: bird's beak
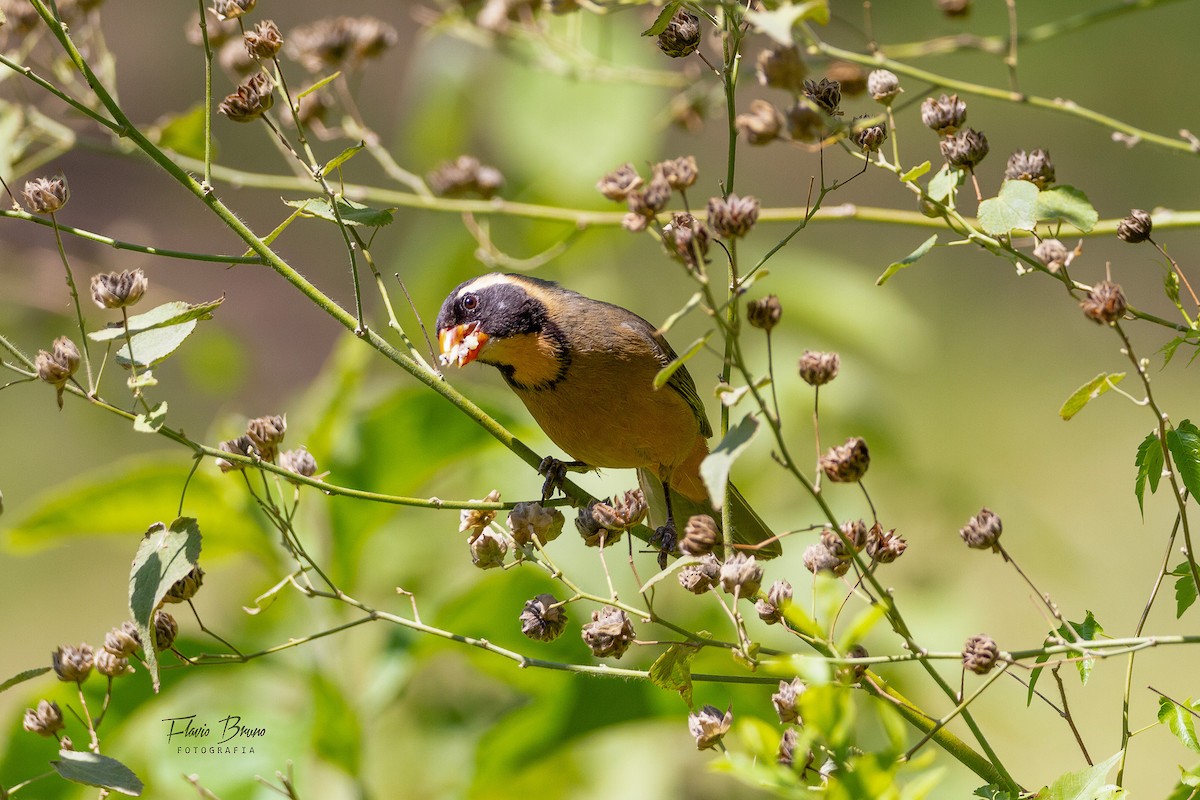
[[461, 343]]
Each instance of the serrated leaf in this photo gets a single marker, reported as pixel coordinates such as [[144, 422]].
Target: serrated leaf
[[1011, 210], [1067, 204], [672, 670], [1086, 631], [663, 19], [183, 132], [1149, 463], [1184, 443], [1088, 392], [154, 346], [1180, 721], [943, 184], [664, 374], [352, 213], [92, 769], [342, 158], [714, 469], [908, 260], [164, 316], [992, 791], [778, 23], [165, 555], [152, 420], [1086, 784], [915, 172], [1185, 588], [21, 677]]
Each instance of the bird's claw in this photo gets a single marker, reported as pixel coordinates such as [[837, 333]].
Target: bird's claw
[[555, 472], [665, 538]]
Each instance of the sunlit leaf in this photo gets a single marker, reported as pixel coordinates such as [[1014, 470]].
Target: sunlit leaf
[[183, 132], [152, 420], [352, 213], [916, 172], [1184, 443], [21, 677], [716, 466], [908, 260], [1180, 720], [1011, 210], [1149, 463], [164, 316], [663, 19], [1185, 588], [778, 23], [1085, 784], [1088, 392], [672, 670], [164, 556], [664, 374], [943, 184], [342, 158], [1068, 204], [92, 769], [153, 346]]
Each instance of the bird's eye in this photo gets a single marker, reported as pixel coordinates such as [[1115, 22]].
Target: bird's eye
[[470, 302]]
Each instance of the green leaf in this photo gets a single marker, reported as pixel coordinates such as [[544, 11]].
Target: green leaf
[[21, 677], [164, 316], [992, 791], [183, 132], [1184, 443], [154, 346], [1088, 392], [164, 556], [943, 184], [861, 626], [908, 260], [92, 769], [1086, 784], [915, 172], [663, 19], [714, 469], [1086, 631], [1068, 204], [1186, 788], [342, 158], [672, 670], [779, 22], [1185, 588], [352, 213], [1180, 721], [152, 420], [692, 302], [1011, 210], [328, 79], [1149, 463], [1034, 674], [664, 374]]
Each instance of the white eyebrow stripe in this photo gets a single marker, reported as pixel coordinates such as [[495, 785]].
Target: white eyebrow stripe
[[482, 283]]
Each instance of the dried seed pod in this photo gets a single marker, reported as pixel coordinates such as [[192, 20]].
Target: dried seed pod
[[165, 630], [741, 575], [241, 446], [764, 313], [1034, 166], [46, 195], [543, 618], [825, 94], [964, 149], [328, 43], [770, 608], [252, 98], [787, 700], [529, 520], [57, 366], [123, 641], [680, 173], [1105, 303], [867, 136], [232, 9], [851, 78], [818, 558], [847, 463], [980, 654], [488, 548], [1135, 228], [699, 578], [681, 37], [617, 184], [732, 217], [266, 433], [111, 666], [465, 175], [609, 633], [73, 663], [119, 289], [946, 114], [805, 122], [709, 725], [762, 124], [884, 86], [782, 67], [686, 239], [264, 40], [817, 368], [1052, 253], [45, 720], [700, 536], [982, 531], [593, 532], [186, 587], [299, 461], [885, 546]]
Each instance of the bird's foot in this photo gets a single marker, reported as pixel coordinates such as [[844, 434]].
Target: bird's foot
[[665, 538], [555, 472]]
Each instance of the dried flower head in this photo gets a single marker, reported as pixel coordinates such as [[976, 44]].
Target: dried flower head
[[762, 124], [466, 175], [609, 633], [817, 368], [982, 531], [686, 239], [72, 663], [848, 462], [866, 135], [770, 608], [118, 289], [617, 184], [1135, 228], [805, 122], [787, 700], [709, 726], [855, 532], [186, 587], [700, 535], [818, 558], [488, 548], [885, 546], [787, 747], [252, 98], [474, 519], [623, 512], [592, 530], [681, 37], [123, 641], [741, 575], [884, 86], [241, 446], [232, 9], [980, 654], [954, 8], [529, 520], [46, 195], [236, 60], [264, 40], [57, 366], [267, 434], [1105, 303], [944, 114], [732, 217], [299, 461], [764, 313], [825, 94], [680, 173], [543, 618], [964, 149], [699, 578], [782, 67], [1034, 166], [45, 720], [850, 77], [334, 41], [111, 666], [165, 630], [1053, 254]]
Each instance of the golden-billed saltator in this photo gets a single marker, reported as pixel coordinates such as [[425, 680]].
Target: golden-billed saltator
[[585, 369]]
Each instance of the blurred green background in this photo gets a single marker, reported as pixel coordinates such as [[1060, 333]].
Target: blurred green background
[[954, 372]]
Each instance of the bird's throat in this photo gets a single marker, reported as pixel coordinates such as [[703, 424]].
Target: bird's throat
[[529, 361]]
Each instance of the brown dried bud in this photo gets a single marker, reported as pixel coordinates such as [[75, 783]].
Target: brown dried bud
[[885, 546], [764, 313], [1135, 228], [980, 654], [680, 173], [609, 633], [700, 536], [635, 222], [761, 124], [46, 195], [954, 8], [118, 289], [770, 608], [851, 78], [299, 461], [45, 720], [264, 41], [741, 575], [466, 175], [782, 67], [624, 512], [165, 630], [252, 98], [982, 531], [825, 94], [488, 548], [186, 587], [732, 217], [856, 531], [656, 194], [1053, 254], [1105, 303], [266, 433], [1034, 167], [847, 463], [945, 115], [590, 528], [964, 149], [241, 446], [787, 747], [123, 641], [617, 184], [327, 43], [868, 137], [709, 726], [232, 9], [787, 700], [57, 366], [681, 37], [475, 519], [818, 558], [73, 663], [686, 239], [884, 86], [805, 122], [111, 666], [529, 520], [858, 670], [699, 578], [543, 618], [818, 369]]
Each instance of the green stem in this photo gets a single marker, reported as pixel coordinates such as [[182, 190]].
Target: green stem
[[208, 59], [83, 339]]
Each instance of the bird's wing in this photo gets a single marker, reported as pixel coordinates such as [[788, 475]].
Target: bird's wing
[[680, 380]]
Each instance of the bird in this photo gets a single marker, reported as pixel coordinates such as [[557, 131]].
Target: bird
[[585, 370]]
